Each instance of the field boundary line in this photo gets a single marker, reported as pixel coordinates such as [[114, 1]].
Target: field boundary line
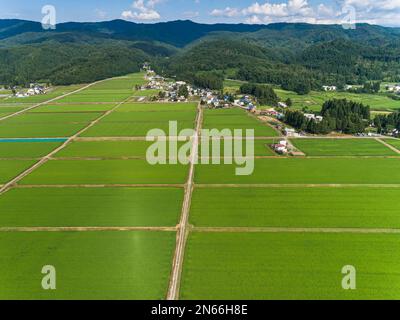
[[183, 230], [104, 158], [51, 100], [340, 137], [20, 159], [71, 186], [388, 145], [303, 157], [127, 138], [296, 230], [261, 185], [84, 229], [46, 158], [93, 139]]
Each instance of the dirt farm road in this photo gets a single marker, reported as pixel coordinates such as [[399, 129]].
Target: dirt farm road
[[173, 290]]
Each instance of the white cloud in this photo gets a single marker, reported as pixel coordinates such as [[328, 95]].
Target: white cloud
[[386, 12], [100, 13], [228, 12], [254, 20], [191, 14], [267, 9], [143, 10]]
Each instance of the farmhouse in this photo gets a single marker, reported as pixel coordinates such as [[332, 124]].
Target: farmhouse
[[329, 88], [290, 132], [281, 147], [393, 88]]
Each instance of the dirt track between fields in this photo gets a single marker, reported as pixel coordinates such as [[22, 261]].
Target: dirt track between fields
[[388, 145], [260, 185], [295, 230], [84, 229], [182, 234], [61, 186]]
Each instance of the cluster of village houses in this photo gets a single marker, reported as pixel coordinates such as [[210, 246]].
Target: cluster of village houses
[[215, 100], [34, 89], [334, 88], [393, 88]]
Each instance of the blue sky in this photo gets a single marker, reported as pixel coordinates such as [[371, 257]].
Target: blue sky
[[383, 12]]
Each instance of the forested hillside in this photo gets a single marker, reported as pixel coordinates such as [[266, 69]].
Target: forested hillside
[[59, 63], [298, 57]]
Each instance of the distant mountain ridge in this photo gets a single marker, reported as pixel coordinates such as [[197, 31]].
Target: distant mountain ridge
[[297, 56], [178, 33], [182, 32]]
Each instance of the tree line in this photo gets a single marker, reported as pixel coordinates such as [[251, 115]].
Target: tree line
[[265, 94], [338, 115]]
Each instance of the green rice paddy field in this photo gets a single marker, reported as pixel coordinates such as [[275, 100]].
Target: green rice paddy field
[[90, 265], [234, 120], [26, 149], [64, 108], [91, 207], [293, 171], [314, 100], [289, 207], [394, 142], [289, 266], [343, 147], [98, 172], [261, 147], [56, 92], [91, 210], [108, 149], [11, 168]]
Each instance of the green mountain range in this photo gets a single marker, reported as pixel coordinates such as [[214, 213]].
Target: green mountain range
[[296, 56]]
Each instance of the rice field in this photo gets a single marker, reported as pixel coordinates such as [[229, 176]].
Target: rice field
[[90, 265], [345, 207], [91, 207], [54, 93], [26, 149], [314, 100], [100, 172], [342, 147], [107, 149], [73, 108], [394, 142], [130, 264], [305, 171], [237, 120], [289, 266], [110, 222], [11, 168]]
